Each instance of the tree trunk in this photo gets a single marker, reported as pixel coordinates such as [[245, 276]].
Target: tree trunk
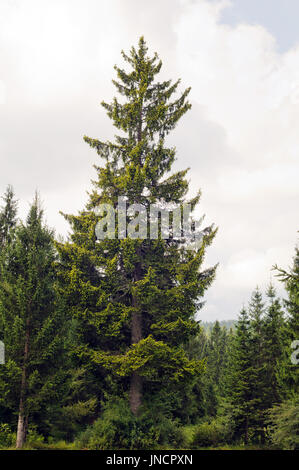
[[23, 419], [21, 437], [135, 395]]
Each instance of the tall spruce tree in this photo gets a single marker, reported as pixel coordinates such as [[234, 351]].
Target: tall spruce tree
[[136, 299], [31, 324]]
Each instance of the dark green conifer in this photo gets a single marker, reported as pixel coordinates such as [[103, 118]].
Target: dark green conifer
[[217, 357], [241, 379], [275, 345], [290, 371], [31, 324], [136, 299]]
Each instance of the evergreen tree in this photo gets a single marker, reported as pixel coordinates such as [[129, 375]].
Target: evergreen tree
[[136, 298], [31, 324], [290, 374], [213, 380], [240, 382], [284, 425], [256, 311], [291, 282], [195, 399], [274, 335], [256, 317], [7, 216], [258, 371], [217, 354]]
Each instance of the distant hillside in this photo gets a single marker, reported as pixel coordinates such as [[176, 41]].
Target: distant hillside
[[208, 325]]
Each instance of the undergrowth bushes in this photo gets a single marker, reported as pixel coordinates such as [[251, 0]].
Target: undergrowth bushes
[[117, 428], [213, 433]]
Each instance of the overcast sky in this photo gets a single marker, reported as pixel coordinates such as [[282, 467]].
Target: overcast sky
[[241, 139]]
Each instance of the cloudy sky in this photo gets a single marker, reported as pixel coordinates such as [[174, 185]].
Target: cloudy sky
[[241, 139]]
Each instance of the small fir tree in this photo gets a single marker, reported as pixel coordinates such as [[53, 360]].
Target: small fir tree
[[31, 324]]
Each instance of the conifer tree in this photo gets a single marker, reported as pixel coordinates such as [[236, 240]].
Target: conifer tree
[[217, 354], [290, 375], [197, 348], [213, 380], [31, 323], [136, 298], [274, 336], [283, 417], [241, 379], [7, 216], [256, 310], [291, 281]]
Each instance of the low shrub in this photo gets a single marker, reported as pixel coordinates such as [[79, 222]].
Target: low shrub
[[33, 437], [118, 428], [283, 421], [212, 434], [7, 437]]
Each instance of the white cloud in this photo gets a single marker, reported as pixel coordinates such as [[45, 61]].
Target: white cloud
[[241, 138], [271, 183], [2, 92], [245, 87], [243, 83]]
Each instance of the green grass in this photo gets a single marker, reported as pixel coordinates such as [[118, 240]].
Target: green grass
[[68, 446], [188, 432], [61, 445]]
